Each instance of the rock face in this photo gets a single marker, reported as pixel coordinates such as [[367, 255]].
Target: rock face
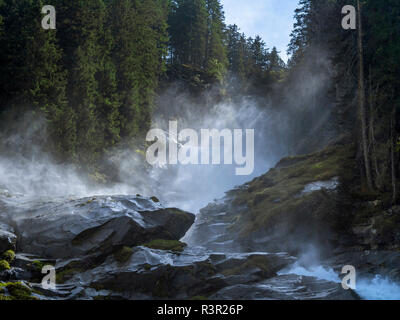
[[8, 239], [286, 287], [96, 225], [281, 210], [122, 247]]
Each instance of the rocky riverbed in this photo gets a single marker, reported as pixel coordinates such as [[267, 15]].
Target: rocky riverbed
[[124, 247], [277, 237]]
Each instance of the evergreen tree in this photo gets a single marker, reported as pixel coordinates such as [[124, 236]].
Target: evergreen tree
[[275, 62], [85, 20], [140, 37], [108, 102], [31, 74], [216, 55], [235, 51], [259, 55], [188, 32]]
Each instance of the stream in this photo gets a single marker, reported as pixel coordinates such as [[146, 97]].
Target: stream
[[291, 277]]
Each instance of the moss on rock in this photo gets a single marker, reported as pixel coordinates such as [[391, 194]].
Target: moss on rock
[[16, 291], [123, 255], [68, 271], [9, 256], [4, 265], [38, 265], [170, 245], [277, 192]]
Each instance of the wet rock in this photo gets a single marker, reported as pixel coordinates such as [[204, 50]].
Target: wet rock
[[171, 245], [369, 263], [162, 281], [15, 274], [261, 266], [8, 239], [281, 210], [319, 185], [96, 225], [287, 287]]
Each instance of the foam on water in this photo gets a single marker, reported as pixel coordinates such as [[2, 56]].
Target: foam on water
[[379, 288], [316, 271]]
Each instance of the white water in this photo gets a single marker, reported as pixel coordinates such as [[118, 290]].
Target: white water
[[378, 288]]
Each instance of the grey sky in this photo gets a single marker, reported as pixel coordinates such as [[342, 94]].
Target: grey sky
[[271, 19]]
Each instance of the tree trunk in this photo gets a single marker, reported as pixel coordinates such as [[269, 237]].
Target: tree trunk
[[392, 151], [361, 102], [372, 142]]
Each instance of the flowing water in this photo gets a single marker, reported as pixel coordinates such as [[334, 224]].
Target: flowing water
[[192, 188]]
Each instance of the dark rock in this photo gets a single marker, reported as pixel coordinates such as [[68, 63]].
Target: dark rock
[[287, 287], [96, 225], [262, 266], [8, 239], [159, 281], [370, 263]]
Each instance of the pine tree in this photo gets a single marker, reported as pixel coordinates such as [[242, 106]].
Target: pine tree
[[188, 31], [216, 55], [31, 72], [108, 103], [259, 55], [140, 37], [275, 62]]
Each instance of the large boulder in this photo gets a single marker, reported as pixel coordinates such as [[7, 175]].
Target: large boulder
[[145, 273], [67, 229]]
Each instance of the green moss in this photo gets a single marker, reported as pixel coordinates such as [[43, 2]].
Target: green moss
[[9, 255], [260, 262], [63, 276], [87, 202], [4, 265], [20, 292], [17, 291], [276, 195], [68, 271], [171, 245], [123, 255], [141, 152], [38, 264]]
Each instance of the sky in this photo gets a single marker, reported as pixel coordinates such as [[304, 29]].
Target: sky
[[272, 20]]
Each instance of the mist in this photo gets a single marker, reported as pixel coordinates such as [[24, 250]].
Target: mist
[[192, 187], [280, 126]]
